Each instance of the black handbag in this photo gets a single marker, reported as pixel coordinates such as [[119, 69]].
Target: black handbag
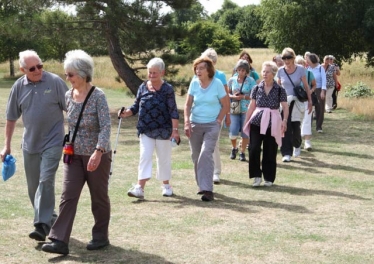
[[299, 91]]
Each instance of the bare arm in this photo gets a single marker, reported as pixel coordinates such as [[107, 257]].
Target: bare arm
[[285, 116], [308, 92], [187, 113], [9, 130], [225, 102]]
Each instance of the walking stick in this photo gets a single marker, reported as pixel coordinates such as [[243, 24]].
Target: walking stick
[[115, 145]]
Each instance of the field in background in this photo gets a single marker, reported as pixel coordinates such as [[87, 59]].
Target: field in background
[[106, 76]]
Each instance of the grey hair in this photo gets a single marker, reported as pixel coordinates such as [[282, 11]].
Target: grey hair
[[80, 62], [300, 60], [211, 54], [242, 64], [272, 65], [156, 62], [23, 55]]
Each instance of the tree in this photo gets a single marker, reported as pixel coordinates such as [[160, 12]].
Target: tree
[[133, 30], [340, 27]]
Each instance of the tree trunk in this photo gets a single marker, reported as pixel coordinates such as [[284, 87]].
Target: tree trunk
[[125, 72], [11, 67]]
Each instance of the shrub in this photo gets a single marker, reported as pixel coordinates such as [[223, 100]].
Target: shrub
[[358, 91]]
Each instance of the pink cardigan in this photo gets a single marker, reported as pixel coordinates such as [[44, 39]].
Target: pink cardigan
[[276, 123]]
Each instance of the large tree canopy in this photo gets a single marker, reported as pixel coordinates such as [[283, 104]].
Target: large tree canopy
[[340, 27]]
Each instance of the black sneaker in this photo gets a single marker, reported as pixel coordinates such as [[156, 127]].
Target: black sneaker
[[234, 151], [242, 157], [97, 244], [207, 196]]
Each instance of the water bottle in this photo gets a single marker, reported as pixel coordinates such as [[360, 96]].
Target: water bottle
[[9, 167], [173, 143]]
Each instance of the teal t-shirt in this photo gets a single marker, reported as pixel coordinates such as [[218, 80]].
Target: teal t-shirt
[[206, 102], [234, 87]]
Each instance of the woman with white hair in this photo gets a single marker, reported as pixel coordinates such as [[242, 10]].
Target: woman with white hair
[[240, 87], [264, 126], [90, 158], [157, 125]]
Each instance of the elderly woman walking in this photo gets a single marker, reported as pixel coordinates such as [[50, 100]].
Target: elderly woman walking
[[91, 157], [265, 126], [157, 125], [206, 105], [290, 76]]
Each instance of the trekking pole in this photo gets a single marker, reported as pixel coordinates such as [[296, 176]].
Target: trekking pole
[[115, 145]]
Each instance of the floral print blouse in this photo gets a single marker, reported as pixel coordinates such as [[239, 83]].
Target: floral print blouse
[[330, 82], [94, 127], [156, 110]]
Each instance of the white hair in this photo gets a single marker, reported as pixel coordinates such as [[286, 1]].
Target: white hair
[[80, 62], [211, 54], [300, 60], [272, 65], [23, 55], [156, 62]]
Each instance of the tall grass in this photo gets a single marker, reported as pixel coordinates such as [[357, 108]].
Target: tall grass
[[105, 76]]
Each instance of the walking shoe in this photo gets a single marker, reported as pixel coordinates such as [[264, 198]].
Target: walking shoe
[[216, 179], [256, 181], [167, 190], [207, 196], [268, 183], [40, 232], [307, 145], [334, 106], [234, 151], [286, 158], [319, 130], [242, 157], [136, 191], [296, 152], [97, 244], [57, 247]]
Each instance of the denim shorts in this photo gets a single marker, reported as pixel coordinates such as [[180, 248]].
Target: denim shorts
[[237, 123]]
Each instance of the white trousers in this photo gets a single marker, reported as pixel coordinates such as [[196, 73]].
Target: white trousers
[[329, 92], [163, 158], [306, 126]]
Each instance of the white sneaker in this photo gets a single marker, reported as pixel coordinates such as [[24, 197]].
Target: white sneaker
[[320, 131], [167, 190], [268, 183], [256, 181], [286, 158], [216, 179], [307, 145], [136, 191], [296, 152]]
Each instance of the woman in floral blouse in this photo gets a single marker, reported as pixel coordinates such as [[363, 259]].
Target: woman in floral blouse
[[157, 125], [91, 159]]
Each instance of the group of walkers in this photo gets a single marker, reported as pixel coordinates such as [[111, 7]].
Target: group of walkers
[[260, 114]]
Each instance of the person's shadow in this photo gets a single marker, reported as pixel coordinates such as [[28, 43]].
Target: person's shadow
[[110, 254]]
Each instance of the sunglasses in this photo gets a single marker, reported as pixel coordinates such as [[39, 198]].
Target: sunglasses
[[70, 75], [287, 57], [33, 68]]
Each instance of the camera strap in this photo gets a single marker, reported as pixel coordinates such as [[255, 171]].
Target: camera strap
[[80, 114]]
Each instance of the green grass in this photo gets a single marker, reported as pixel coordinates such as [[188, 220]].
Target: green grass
[[320, 209]]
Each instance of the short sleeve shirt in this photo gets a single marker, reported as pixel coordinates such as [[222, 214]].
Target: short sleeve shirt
[[295, 77], [276, 95], [234, 87]]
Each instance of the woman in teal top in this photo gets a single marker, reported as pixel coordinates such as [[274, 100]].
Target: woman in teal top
[[206, 105], [240, 87], [252, 72]]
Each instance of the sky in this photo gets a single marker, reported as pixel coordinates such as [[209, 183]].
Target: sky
[[213, 5]]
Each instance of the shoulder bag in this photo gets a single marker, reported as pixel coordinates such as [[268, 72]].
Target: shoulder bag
[[68, 149], [235, 105], [299, 91]]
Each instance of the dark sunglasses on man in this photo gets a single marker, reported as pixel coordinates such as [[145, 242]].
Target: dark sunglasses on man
[[33, 68]]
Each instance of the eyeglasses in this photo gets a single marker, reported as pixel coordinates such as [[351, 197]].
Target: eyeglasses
[[70, 75], [33, 68], [287, 57]]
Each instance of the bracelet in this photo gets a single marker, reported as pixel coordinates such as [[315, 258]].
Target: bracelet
[[175, 128], [97, 149]]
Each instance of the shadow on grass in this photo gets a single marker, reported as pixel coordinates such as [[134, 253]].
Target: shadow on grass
[[347, 154], [297, 190], [225, 202], [110, 254]]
